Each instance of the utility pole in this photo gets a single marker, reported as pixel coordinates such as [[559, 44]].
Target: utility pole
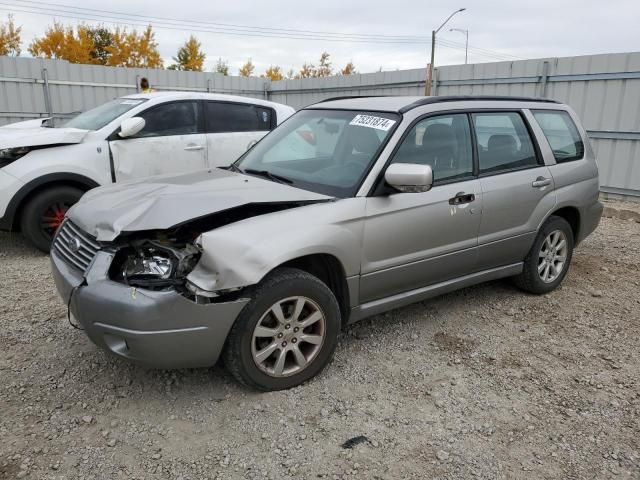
[[466, 43], [427, 87]]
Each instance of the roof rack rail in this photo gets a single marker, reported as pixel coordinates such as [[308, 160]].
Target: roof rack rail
[[466, 98], [347, 97]]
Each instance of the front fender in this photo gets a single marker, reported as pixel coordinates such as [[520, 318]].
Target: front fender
[[241, 254]]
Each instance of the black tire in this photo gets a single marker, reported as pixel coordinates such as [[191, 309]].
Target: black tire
[[280, 284], [530, 280], [51, 203]]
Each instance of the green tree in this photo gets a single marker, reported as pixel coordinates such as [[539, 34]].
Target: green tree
[[102, 39], [222, 66], [190, 57]]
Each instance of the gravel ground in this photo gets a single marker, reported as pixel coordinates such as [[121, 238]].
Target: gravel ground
[[487, 382]]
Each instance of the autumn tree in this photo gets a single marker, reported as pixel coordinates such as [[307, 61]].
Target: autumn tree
[[190, 57], [307, 71], [349, 69], [222, 66], [247, 69], [274, 73], [130, 49], [324, 68], [10, 38], [64, 43]]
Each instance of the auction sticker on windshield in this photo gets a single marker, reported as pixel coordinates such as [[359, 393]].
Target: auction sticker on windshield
[[370, 121]]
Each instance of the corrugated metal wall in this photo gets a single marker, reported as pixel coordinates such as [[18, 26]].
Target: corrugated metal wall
[[603, 89], [76, 88]]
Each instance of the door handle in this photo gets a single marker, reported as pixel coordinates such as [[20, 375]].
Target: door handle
[[541, 182], [462, 198], [193, 148]]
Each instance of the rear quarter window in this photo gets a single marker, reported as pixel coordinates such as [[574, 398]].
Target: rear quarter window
[[561, 133]]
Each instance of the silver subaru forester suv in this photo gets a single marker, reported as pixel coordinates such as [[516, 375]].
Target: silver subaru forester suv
[[350, 208]]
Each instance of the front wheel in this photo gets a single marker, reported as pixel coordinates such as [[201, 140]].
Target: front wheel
[[548, 261], [286, 334], [44, 213]]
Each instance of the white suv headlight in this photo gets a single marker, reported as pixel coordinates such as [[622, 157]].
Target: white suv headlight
[[8, 155]]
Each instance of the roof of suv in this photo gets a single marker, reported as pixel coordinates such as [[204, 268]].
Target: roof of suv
[[404, 104]]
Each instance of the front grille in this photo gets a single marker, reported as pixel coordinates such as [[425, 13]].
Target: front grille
[[75, 246]]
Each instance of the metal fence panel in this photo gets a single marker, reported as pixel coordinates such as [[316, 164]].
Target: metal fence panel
[[603, 89]]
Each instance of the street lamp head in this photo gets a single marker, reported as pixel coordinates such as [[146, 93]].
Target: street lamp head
[[462, 10]]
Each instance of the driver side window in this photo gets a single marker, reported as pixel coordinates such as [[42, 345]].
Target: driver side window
[[176, 118], [442, 142]]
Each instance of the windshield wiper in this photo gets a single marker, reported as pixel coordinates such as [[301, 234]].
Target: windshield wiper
[[234, 168], [267, 174]]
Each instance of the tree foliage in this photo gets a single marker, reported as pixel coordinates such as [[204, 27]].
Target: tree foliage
[[307, 71], [190, 57], [130, 49], [98, 46], [222, 66], [324, 68], [64, 43], [349, 69], [274, 73], [247, 69], [10, 38], [102, 39]]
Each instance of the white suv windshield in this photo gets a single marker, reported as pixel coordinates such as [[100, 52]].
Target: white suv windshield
[[326, 151], [98, 117]]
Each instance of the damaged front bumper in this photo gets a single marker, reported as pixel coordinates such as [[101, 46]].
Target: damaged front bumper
[[161, 329]]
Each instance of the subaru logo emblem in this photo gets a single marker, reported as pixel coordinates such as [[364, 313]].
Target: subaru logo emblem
[[73, 244]]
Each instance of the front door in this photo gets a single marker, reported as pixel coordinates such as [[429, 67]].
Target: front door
[[171, 142], [413, 240]]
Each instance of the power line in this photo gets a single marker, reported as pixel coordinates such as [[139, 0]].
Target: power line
[[119, 18]]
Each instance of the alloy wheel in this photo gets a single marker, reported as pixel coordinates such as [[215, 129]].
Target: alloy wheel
[[552, 257], [288, 337]]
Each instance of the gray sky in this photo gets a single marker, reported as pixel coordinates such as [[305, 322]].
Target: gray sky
[[502, 28]]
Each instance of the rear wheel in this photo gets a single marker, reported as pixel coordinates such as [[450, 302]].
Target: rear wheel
[[44, 213], [286, 334], [548, 260]]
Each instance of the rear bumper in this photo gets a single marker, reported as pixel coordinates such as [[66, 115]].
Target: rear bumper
[[158, 329]]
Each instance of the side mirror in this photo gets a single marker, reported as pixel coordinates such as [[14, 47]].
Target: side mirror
[[409, 177], [130, 126]]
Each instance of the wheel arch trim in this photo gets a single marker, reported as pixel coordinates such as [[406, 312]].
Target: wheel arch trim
[[17, 202]]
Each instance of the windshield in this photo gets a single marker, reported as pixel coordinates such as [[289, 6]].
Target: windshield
[[324, 151], [98, 117]]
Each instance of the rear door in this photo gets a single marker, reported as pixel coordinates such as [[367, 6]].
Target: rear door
[[413, 240], [232, 128], [517, 188], [170, 142]]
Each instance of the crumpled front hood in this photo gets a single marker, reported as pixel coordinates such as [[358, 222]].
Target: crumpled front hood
[[31, 133], [165, 202]]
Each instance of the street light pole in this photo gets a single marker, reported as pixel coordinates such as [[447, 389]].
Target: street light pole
[[466, 43], [427, 87]]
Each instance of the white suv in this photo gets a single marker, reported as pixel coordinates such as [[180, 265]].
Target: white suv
[[44, 170]]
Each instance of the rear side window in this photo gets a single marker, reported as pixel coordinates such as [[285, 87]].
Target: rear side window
[[503, 142], [561, 133], [237, 117], [442, 142]]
